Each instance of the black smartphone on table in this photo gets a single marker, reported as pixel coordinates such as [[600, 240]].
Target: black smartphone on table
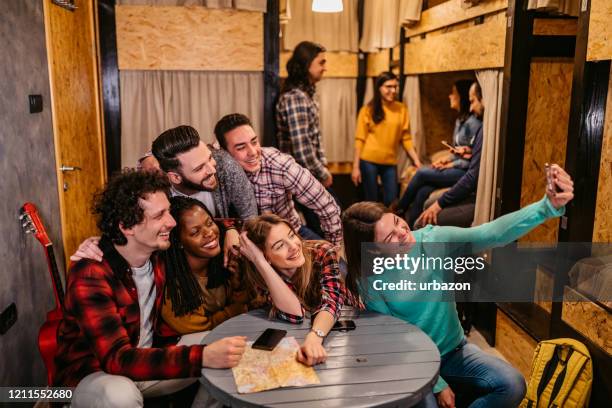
[[344, 325], [269, 339]]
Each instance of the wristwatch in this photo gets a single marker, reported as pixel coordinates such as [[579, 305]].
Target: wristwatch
[[319, 333]]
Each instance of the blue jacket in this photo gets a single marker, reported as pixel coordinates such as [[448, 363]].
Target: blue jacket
[[468, 183], [465, 135]]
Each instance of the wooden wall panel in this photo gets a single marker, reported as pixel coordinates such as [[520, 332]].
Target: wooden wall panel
[[600, 31], [602, 230], [484, 44], [590, 319], [550, 88], [555, 26], [451, 12], [189, 38], [339, 64], [438, 117], [514, 343], [377, 63]]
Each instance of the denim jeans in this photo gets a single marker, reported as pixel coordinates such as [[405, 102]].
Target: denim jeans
[[479, 380], [388, 175], [311, 218], [425, 181], [308, 234]]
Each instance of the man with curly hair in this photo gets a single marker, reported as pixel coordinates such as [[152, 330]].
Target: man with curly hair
[[105, 340]]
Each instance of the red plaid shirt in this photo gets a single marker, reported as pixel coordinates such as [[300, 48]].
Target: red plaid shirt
[[101, 326], [280, 179], [334, 294]]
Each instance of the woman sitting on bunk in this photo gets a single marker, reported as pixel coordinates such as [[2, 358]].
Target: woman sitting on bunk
[[447, 171], [299, 276], [381, 126], [484, 380]]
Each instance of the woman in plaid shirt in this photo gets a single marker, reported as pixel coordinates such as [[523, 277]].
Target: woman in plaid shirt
[[300, 276]]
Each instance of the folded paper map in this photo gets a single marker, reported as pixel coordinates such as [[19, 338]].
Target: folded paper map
[[261, 370]]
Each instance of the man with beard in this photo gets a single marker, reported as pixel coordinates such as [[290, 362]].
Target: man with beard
[[105, 340], [206, 174]]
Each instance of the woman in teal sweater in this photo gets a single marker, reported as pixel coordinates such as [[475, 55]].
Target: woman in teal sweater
[[464, 368]]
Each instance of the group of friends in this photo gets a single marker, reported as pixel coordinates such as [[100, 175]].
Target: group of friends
[[199, 234]]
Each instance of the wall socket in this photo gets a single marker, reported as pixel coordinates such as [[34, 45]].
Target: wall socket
[[36, 103], [8, 318]]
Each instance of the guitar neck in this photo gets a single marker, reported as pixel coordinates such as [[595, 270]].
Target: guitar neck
[[58, 289]]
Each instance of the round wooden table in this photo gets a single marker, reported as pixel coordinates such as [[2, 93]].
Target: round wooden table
[[384, 362]]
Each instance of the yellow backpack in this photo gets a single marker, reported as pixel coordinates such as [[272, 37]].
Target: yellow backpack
[[561, 375]]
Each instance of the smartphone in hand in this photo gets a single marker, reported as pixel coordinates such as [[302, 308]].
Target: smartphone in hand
[[269, 339], [550, 184], [451, 148]]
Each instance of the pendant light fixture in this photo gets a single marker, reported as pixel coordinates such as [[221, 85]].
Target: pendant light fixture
[[327, 6]]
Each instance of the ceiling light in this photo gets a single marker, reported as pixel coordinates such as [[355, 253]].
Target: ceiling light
[[327, 6]]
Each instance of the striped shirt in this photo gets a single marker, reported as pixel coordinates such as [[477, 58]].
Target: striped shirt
[[281, 179]]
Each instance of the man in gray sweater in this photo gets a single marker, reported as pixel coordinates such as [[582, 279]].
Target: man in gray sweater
[[207, 174]]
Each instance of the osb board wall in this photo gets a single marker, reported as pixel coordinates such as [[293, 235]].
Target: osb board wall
[[514, 343], [602, 229], [600, 31], [452, 12], [73, 67], [377, 62], [550, 87], [555, 26], [475, 47], [189, 38], [590, 319], [544, 286], [339, 64], [438, 118]]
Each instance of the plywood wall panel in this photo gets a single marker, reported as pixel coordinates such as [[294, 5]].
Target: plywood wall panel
[[590, 319], [600, 31], [514, 343], [339, 64], [451, 12], [548, 105], [189, 38], [555, 26], [377, 62], [476, 47], [602, 228]]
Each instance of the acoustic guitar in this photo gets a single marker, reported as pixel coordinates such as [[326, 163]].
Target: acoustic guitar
[[47, 336]]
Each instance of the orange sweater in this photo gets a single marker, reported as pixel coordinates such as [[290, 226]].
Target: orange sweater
[[220, 304], [379, 141]]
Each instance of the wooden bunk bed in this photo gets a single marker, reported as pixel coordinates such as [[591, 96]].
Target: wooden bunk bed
[[531, 47]]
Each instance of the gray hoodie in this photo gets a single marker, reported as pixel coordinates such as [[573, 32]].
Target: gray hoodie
[[234, 195]]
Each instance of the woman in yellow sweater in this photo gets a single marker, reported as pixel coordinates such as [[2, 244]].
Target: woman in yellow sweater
[[381, 126], [200, 292]]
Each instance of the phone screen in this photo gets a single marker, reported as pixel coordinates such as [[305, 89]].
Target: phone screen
[[344, 325], [269, 339]]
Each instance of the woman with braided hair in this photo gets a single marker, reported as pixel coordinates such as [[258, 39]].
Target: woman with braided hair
[[200, 292]]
